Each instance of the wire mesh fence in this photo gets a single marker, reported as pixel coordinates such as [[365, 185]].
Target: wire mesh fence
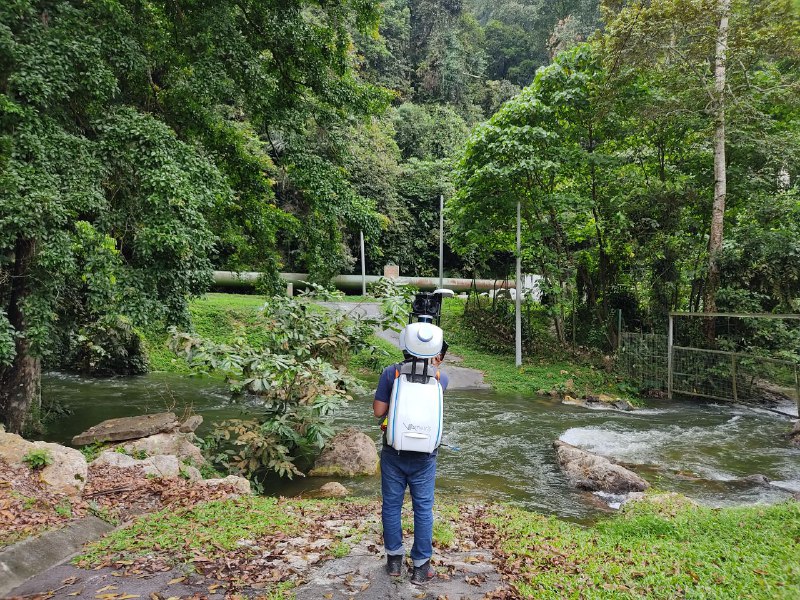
[[643, 359], [752, 357]]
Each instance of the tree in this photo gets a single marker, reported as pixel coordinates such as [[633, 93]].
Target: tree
[[531, 152], [751, 45], [131, 133]]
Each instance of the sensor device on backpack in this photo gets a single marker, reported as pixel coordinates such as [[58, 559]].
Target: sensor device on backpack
[[415, 409]]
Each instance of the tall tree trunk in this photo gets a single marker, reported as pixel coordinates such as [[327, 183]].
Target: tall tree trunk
[[720, 180], [20, 381]]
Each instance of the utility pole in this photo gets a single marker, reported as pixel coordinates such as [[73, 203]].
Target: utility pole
[[441, 240], [363, 267], [518, 316]]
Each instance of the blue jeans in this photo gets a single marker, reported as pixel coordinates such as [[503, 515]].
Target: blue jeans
[[417, 471]]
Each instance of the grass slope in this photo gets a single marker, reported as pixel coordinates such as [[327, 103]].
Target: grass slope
[[224, 317]]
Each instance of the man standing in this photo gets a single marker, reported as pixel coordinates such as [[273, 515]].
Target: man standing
[[415, 470]]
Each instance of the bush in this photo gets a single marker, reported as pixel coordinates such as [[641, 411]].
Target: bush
[[293, 375], [38, 458], [110, 346]]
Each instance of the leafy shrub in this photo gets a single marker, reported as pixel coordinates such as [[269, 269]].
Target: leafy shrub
[[291, 374], [491, 323], [389, 287], [38, 458], [110, 346], [315, 291]]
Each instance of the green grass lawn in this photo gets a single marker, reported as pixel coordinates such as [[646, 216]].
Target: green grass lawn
[[664, 547], [656, 550], [218, 317], [224, 317]]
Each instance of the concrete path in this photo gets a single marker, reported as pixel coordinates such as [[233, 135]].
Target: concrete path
[[361, 576], [461, 575], [460, 378]]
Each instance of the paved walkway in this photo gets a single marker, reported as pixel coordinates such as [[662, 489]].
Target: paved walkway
[[460, 378]]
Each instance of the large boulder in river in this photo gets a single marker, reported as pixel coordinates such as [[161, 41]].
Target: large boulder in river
[[347, 454], [66, 472], [127, 428], [593, 473]]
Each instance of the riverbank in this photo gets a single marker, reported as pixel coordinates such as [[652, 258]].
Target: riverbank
[[223, 317], [663, 547]]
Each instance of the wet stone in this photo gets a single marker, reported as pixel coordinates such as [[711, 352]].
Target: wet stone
[[127, 428]]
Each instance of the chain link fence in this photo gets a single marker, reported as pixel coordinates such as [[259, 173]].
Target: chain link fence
[[756, 357]]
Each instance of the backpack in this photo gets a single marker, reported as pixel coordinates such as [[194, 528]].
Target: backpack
[[414, 420]]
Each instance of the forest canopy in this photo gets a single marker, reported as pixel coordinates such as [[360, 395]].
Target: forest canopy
[[145, 143]]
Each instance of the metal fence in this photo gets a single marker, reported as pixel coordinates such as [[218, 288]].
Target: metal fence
[[643, 358], [737, 370]]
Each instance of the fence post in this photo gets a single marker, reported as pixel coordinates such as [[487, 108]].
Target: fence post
[[669, 359], [797, 388], [733, 373], [619, 329]]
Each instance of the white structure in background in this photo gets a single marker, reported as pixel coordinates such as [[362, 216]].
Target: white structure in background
[[530, 288], [784, 180]]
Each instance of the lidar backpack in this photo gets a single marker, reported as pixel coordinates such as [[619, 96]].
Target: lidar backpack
[[415, 408]]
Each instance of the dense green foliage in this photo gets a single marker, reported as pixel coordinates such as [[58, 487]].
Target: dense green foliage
[[290, 368], [141, 142], [144, 143], [609, 152]]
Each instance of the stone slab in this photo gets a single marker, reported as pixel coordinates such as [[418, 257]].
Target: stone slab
[[32, 556], [127, 428], [361, 576]]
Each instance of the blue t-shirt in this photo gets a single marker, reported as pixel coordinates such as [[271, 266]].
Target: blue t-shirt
[[385, 383]]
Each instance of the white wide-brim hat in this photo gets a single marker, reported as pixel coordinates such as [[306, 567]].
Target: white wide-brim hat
[[423, 340]]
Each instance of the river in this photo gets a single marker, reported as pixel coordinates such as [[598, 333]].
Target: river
[[501, 445]]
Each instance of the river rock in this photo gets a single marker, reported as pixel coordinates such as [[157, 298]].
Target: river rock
[[127, 428], [176, 444], [794, 435], [347, 454], [240, 484], [332, 489], [159, 465], [66, 473], [13, 447], [594, 473], [190, 424], [623, 405], [573, 401]]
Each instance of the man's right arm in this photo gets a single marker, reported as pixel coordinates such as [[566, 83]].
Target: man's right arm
[[380, 404]]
